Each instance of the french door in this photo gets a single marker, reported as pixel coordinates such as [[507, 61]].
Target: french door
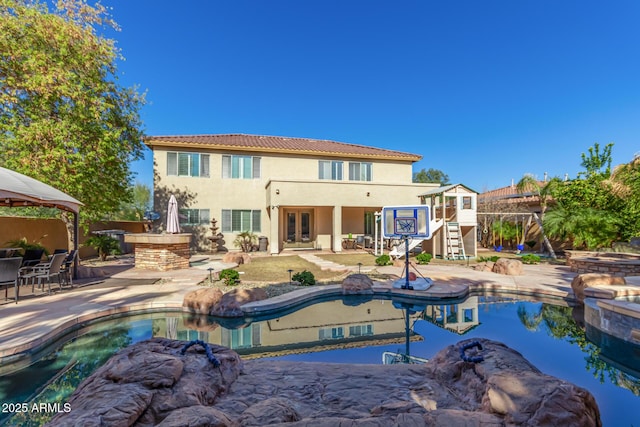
[[299, 225]]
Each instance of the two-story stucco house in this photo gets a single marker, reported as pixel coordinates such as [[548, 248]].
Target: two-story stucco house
[[296, 192]]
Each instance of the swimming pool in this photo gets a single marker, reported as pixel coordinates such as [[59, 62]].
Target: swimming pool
[[354, 330]]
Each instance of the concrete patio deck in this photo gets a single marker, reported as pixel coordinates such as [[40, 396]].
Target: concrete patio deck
[[38, 320]]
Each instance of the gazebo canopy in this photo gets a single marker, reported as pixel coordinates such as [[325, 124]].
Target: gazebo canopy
[[17, 190]]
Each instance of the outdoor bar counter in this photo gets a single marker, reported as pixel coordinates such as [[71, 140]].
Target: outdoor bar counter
[[160, 252]]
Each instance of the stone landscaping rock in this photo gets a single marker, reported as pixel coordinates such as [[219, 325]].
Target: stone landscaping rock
[[484, 266], [508, 266], [236, 258], [357, 284], [587, 280], [229, 304], [201, 300], [151, 383]]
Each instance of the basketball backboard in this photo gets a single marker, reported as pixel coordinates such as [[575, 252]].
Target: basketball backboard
[[406, 221]]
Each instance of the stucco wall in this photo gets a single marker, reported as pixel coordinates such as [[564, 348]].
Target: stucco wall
[[52, 233]]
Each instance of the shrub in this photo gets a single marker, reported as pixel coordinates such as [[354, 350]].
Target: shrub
[[423, 258], [246, 241], [305, 278], [383, 260], [530, 259], [104, 244], [229, 276], [24, 245], [493, 258]]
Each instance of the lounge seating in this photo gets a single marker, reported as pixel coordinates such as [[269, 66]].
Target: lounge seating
[[9, 271]]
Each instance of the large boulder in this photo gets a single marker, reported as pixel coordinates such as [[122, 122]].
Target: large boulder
[[230, 303], [508, 266], [357, 284], [589, 280], [201, 300], [481, 383], [505, 384], [484, 266], [151, 382], [236, 258]]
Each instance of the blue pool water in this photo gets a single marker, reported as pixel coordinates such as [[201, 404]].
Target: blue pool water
[[353, 331]]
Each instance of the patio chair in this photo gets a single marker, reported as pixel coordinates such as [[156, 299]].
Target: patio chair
[[359, 242], [45, 271], [67, 267], [9, 272], [32, 257]]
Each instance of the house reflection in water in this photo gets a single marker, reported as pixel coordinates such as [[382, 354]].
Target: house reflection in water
[[458, 318], [323, 326]]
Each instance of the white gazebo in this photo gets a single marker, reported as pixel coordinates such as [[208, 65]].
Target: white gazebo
[[17, 190]]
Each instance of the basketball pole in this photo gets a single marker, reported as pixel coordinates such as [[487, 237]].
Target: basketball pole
[[406, 264]]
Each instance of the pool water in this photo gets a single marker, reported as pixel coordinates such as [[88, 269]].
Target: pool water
[[353, 331]]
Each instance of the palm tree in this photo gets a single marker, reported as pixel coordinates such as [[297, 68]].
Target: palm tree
[[529, 184]]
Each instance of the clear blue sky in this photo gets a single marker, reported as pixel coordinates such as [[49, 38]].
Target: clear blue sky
[[485, 91]]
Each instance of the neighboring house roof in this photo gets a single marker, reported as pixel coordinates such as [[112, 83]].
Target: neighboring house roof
[[444, 189], [279, 144], [511, 194]]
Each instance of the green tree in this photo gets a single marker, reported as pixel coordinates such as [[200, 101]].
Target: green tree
[[595, 209], [431, 175], [141, 202], [64, 118], [529, 184], [596, 162]]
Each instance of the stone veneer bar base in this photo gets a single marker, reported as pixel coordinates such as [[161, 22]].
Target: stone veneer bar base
[[613, 263], [160, 252]]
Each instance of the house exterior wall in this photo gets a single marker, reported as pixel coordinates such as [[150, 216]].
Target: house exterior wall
[[289, 181]]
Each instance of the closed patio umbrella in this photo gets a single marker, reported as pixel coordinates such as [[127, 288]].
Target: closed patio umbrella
[[173, 220]]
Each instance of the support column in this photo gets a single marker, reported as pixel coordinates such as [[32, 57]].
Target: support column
[[274, 231], [336, 229]]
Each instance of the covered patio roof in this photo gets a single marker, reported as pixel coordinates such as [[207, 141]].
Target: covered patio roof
[[17, 190]]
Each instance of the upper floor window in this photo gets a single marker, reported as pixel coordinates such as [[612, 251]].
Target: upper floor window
[[194, 216], [360, 171], [246, 167], [187, 164], [330, 170]]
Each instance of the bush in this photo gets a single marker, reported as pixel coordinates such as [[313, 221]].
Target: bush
[[489, 258], [246, 241], [530, 259], [229, 276], [104, 244], [423, 258], [305, 278], [383, 260]]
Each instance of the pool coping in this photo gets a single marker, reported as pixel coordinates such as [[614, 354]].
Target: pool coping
[[447, 287], [95, 311]]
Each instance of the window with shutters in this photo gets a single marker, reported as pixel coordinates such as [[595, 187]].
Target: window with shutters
[[194, 216], [360, 171], [240, 167], [239, 220], [330, 170], [188, 164]]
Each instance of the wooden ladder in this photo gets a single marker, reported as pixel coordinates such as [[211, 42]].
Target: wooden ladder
[[455, 245]]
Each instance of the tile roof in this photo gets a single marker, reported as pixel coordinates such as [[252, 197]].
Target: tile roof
[[510, 193], [279, 144]]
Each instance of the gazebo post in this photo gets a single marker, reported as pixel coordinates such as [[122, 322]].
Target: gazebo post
[[76, 232]]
